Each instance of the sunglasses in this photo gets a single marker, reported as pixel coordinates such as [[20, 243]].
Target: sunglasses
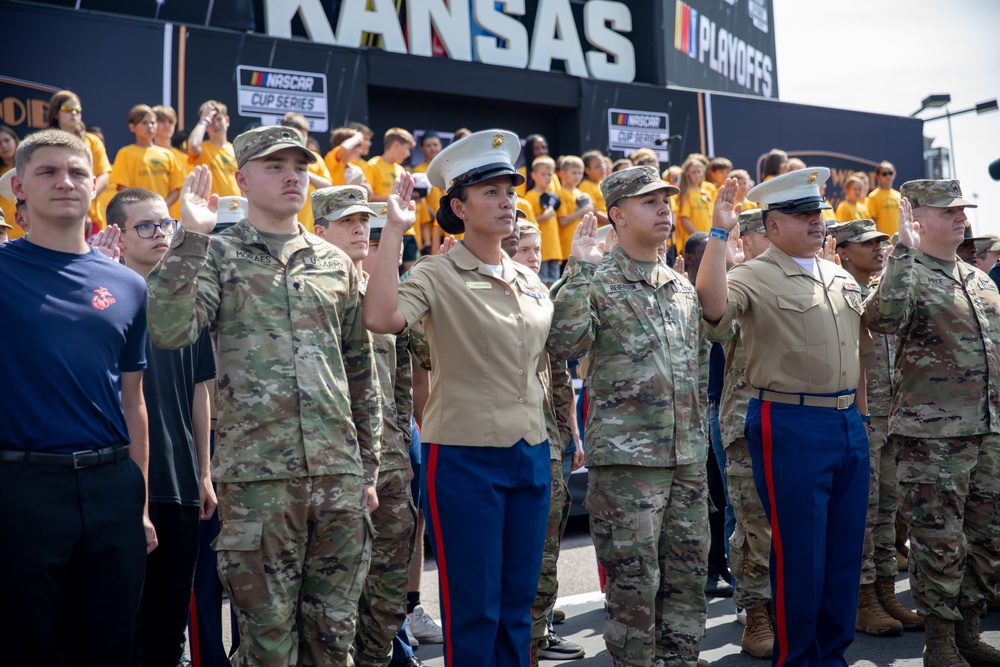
[[147, 230], [887, 173], [68, 109]]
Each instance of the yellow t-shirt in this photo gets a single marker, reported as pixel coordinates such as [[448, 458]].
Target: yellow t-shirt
[[306, 214], [221, 161], [381, 175], [593, 190], [749, 205], [568, 206], [530, 210], [828, 214], [101, 165], [551, 245], [883, 205], [523, 187], [187, 168], [696, 206], [847, 211], [365, 169], [150, 167], [712, 190]]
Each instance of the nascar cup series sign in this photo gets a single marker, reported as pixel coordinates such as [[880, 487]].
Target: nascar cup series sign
[[269, 94], [631, 130]]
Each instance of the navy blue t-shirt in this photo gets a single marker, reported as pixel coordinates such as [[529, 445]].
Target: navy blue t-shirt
[[73, 324], [716, 372]]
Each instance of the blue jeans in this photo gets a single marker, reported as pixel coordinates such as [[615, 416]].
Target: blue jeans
[[715, 436]]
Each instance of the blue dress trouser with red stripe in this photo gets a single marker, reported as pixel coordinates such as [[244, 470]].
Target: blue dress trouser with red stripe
[[487, 508], [811, 466]]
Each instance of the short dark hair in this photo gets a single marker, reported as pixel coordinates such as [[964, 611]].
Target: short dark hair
[[116, 207], [693, 241]]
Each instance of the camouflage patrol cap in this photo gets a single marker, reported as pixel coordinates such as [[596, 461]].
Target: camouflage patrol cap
[[856, 231], [752, 221], [632, 182], [339, 201], [262, 141], [989, 243], [940, 194]]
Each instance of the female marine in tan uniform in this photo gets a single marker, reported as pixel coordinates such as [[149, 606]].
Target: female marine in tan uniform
[[485, 448]]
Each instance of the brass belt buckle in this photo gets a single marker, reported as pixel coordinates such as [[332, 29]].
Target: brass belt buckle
[[844, 402]]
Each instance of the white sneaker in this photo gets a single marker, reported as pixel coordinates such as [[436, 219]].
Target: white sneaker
[[423, 627], [741, 615], [414, 642]]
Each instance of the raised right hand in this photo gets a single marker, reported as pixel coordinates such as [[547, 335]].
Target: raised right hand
[[909, 229], [585, 246], [199, 207], [726, 215]]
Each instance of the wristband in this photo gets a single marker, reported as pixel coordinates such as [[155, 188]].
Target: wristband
[[720, 234], [866, 419], [203, 121]]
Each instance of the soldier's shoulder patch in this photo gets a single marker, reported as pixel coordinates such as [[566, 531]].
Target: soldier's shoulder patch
[[615, 288]]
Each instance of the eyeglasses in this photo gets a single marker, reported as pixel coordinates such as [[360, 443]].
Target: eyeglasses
[[68, 109], [147, 230], [887, 173]]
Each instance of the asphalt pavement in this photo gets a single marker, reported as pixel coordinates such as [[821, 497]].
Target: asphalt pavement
[[580, 598]]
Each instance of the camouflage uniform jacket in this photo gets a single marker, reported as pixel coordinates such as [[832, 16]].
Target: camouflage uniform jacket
[[649, 360], [395, 379], [296, 391], [946, 381], [559, 406], [880, 355], [735, 399]]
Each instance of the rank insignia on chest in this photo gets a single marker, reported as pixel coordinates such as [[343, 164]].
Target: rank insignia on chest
[[851, 286], [621, 287]]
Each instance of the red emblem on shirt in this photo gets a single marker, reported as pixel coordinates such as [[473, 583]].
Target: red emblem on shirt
[[103, 300]]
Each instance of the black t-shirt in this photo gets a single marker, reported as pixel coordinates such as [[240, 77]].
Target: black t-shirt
[[168, 386]]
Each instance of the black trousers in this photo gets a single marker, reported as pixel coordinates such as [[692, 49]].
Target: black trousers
[[166, 594], [72, 560]]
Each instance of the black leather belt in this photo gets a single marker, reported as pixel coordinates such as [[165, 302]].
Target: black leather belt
[[85, 459]]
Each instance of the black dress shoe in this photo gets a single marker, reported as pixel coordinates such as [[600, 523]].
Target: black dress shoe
[[412, 662], [716, 587]]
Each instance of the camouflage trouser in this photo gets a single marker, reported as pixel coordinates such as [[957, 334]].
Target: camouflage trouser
[[950, 491], [293, 554], [548, 583], [879, 557], [750, 544], [650, 531], [382, 607]]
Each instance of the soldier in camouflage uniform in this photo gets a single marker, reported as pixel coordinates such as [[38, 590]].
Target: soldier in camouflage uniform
[[859, 245], [944, 418], [345, 219], [296, 459], [750, 544], [560, 423], [639, 322]]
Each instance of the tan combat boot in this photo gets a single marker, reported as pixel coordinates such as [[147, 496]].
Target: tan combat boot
[[758, 636], [885, 591], [970, 644], [872, 619], [939, 644]]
